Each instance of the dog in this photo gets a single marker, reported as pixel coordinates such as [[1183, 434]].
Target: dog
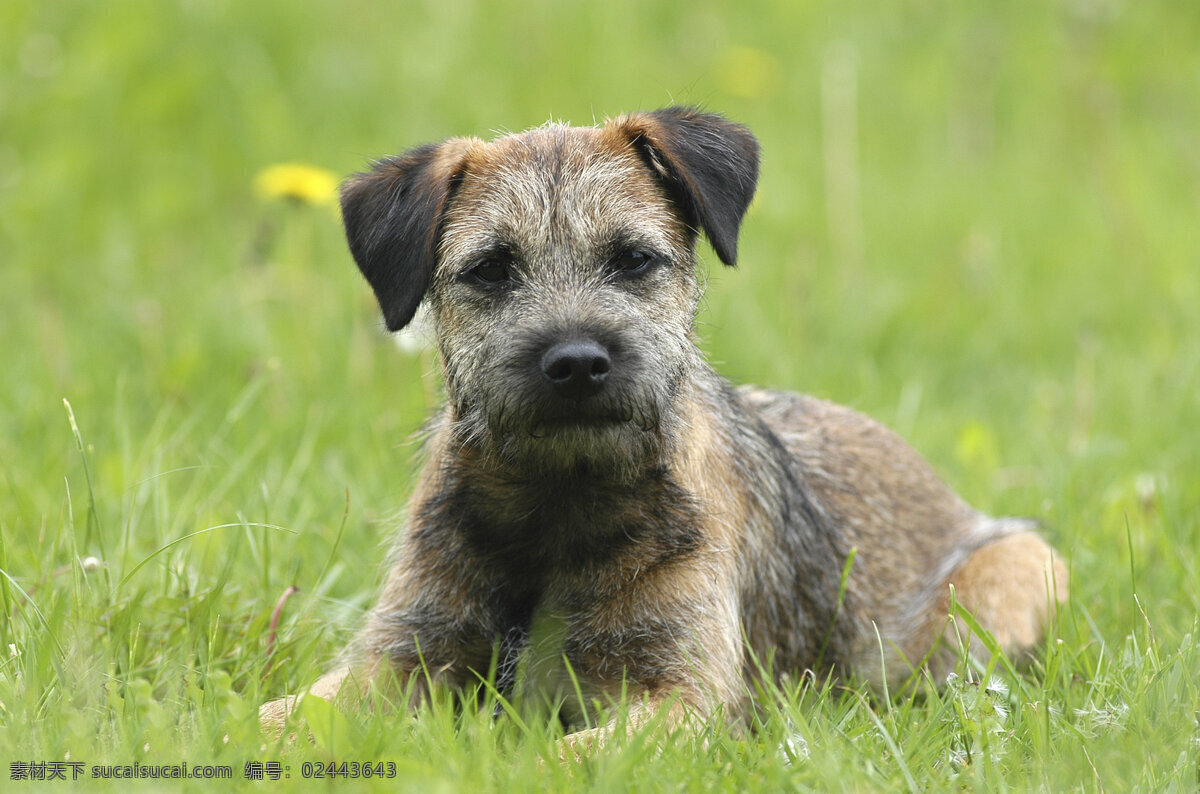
[[599, 508]]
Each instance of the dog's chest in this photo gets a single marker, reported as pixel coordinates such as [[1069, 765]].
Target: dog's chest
[[547, 530]]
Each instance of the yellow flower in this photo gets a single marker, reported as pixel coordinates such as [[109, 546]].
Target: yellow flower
[[977, 447], [304, 184], [749, 73]]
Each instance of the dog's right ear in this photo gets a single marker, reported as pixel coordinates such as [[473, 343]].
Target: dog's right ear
[[393, 217]]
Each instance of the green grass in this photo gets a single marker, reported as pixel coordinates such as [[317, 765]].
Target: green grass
[[977, 222]]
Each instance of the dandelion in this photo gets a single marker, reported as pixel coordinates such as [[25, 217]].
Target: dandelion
[[1148, 488], [998, 690], [749, 73], [296, 185], [296, 182], [794, 746], [977, 447], [1101, 719]]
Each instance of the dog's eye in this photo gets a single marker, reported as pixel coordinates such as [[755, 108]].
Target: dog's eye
[[490, 271], [631, 263]]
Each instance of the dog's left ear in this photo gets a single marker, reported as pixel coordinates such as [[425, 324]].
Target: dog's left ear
[[708, 164], [393, 216]]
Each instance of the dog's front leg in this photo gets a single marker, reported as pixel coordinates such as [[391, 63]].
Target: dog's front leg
[[434, 622], [669, 645], [665, 705], [335, 686]]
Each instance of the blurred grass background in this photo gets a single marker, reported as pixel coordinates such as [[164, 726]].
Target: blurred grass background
[[976, 222]]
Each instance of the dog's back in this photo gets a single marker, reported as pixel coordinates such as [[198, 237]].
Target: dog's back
[[910, 537]]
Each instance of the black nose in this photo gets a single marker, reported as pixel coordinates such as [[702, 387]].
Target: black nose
[[576, 369]]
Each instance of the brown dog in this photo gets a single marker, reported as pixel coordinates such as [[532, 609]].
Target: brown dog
[[596, 496]]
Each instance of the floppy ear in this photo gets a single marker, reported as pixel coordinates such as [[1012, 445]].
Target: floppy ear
[[708, 164], [393, 216]]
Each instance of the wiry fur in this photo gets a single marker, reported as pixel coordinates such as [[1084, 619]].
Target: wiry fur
[[667, 526]]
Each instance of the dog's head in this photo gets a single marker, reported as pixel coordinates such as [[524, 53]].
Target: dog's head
[[559, 269]]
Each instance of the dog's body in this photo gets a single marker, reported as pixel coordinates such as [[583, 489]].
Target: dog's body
[[592, 474]]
